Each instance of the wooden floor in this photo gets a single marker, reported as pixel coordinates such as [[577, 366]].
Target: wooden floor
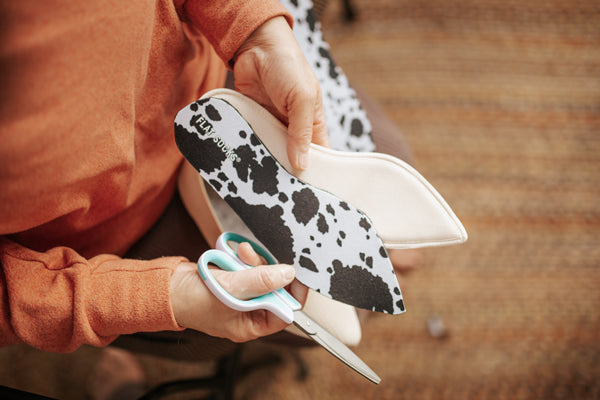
[[500, 101]]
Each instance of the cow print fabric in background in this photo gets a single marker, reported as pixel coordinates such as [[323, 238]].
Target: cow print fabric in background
[[347, 123], [333, 246]]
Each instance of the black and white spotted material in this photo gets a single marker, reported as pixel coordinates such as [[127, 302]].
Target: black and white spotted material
[[347, 123], [332, 245]]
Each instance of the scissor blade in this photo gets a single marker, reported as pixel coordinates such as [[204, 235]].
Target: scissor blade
[[333, 345]]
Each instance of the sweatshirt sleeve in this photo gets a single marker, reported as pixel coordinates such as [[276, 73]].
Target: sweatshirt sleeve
[[57, 300], [228, 23]]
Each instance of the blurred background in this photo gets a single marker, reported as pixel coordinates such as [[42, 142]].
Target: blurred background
[[500, 102]]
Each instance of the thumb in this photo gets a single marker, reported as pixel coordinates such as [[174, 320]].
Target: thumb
[[256, 281]]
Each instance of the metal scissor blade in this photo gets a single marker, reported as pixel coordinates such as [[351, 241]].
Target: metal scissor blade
[[333, 345]]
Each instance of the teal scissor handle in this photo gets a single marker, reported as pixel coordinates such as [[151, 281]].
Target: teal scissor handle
[[223, 245], [279, 302], [226, 237]]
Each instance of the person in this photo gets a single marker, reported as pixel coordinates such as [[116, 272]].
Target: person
[[88, 161]]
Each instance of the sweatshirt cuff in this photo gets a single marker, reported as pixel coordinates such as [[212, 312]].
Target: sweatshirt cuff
[[227, 24], [137, 299]]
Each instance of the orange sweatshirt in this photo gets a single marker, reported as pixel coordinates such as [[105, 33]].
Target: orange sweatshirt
[[87, 156]]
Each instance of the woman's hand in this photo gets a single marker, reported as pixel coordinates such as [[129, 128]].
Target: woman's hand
[[194, 305], [271, 69]]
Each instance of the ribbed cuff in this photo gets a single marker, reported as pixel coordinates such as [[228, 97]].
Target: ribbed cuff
[[136, 299]]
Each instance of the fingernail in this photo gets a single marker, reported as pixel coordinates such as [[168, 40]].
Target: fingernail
[[302, 159], [288, 272]]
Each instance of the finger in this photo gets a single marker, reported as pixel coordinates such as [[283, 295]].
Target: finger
[[319, 134], [248, 256], [254, 282], [300, 129]]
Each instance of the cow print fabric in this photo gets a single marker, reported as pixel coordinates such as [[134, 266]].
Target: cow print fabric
[[347, 123], [333, 246]]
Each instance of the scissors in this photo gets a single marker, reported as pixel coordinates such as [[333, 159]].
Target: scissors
[[279, 302]]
